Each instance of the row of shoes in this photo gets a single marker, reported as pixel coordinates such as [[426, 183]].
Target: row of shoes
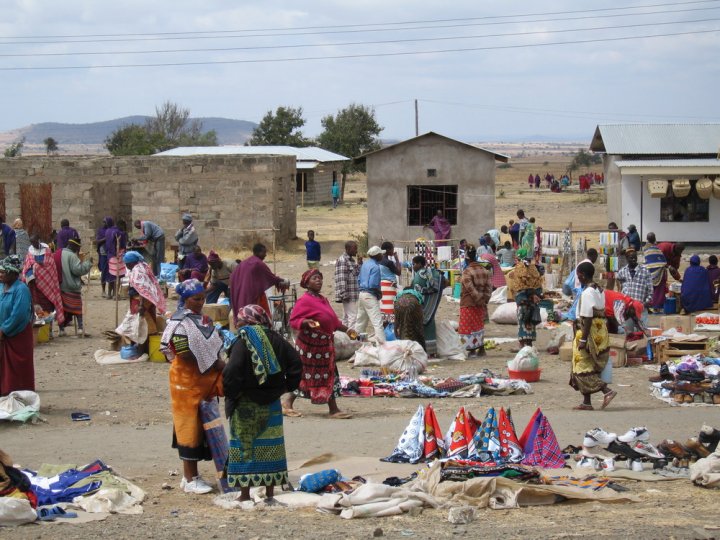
[[695, 447], [688, 386]]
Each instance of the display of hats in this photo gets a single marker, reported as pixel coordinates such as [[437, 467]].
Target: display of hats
[[716, 188], [704, 188], [658, 188], [681, 187]]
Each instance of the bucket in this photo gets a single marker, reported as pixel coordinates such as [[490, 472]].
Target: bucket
[[527, 376], [154, 349], [129, 352], [670, 307], [456, 290], [43, 335]]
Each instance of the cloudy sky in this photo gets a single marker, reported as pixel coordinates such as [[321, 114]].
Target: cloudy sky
[[482, 71]]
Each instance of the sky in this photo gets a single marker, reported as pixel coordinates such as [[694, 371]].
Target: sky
[[481, 71]]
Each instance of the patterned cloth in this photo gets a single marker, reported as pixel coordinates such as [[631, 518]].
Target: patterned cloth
[[387, 302], [487, 439], [40, 268], [201, 338], [428, 282], [410, 448], [263, 357], [409, 319], [434, 446], [346, 279], [540, 444], [71, 303], [459, 438], [510, 449], [498, 277], [588, 363], [146, 284], [638, 287], [320, 379], [257, 446], [471, 327], [216, 439]]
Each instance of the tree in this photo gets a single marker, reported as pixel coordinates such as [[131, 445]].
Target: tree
[[280, 129], [171, 127], [583, 159], [15, 149], [351, 132], [51, 146]]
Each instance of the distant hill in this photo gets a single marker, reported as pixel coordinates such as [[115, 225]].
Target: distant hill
[[228, 131]]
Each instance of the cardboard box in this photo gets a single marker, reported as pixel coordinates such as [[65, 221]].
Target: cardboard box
[[682, 323], [617, 357], [566, 351], [217, 312]]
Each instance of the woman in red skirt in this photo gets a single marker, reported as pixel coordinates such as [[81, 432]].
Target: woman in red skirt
[[475, 291]]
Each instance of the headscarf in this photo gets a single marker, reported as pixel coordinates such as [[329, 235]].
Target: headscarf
[[213, 257], [695, 260], [305, 279], [17, 224], [264, 361], [187, 217], [11, 263], [108, 222], [132, 257], [412, 292], [252, 314], [189, 287]]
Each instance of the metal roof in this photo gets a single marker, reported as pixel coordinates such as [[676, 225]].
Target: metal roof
[[656, 139], [498, 157], [309, 153], [626, 163]]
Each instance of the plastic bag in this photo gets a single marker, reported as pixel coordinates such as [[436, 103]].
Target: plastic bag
[[569, 284], [366, 355], [499, 295], [448, 342], [344, 346], [390, 332], [399, 355], [15, 512], [168, 272], [505, 314], [134, 327], [525, 360]]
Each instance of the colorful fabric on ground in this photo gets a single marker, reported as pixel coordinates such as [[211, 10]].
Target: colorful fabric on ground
[[410, 448], [319, 376], [257, 446], [459, 438], [409, 318], [146, 284], [471, 327], [72, 303], [434, 445], [510, 449], [263, 356], [217, 441], [542, 450], [41, 265], [487, 439]]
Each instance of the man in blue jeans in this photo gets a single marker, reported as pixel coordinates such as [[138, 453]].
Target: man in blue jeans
[[370, 294]]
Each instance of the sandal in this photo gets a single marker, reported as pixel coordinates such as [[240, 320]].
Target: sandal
[[583, 407], [608, 398], [340, 416], [291, 413]]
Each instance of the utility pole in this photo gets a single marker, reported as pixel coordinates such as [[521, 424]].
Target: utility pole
[[417, 130]]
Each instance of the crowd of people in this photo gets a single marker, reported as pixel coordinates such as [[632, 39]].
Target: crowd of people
[[556, 185]]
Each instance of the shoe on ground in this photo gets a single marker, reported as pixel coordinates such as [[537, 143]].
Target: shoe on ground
[[589, 463], [710, 437], [647, 449], [608, 464], [598, 436], [635, 434], [197, 486]]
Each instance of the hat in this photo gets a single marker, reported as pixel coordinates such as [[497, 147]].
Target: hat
[[305, 279], [132, 257], [187, 217], [375, 251], [75, 242], [213, 257]]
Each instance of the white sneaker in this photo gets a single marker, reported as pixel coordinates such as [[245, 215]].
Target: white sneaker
[[608, 464], [589, 463], [635, 434], [647, 449], [598, 436], [196, 486]]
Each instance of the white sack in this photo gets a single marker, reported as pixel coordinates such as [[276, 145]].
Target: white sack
[[134, 327], [399, 355], [507, 314], [448, 341], [499, 295], [366, 355], [344, 346], [15, 512]]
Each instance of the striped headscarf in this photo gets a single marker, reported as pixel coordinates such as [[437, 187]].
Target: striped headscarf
[[252, 314]]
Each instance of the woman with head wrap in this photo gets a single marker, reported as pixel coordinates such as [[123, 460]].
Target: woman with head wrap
[[696, 293], [22, 239], [315, 323], [40, 274], [262, 366], [146, 295], [115, 245], [526, 283], [16, 336], [193, 345], [591, 346], [429, 282], [475, 291]]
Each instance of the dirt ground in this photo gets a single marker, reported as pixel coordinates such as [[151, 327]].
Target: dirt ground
[[131, 423]]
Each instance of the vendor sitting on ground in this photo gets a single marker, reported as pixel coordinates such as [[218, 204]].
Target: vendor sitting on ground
[[195, 266], [218, 277]]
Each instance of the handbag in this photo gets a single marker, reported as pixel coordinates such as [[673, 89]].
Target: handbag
[[535, 317]]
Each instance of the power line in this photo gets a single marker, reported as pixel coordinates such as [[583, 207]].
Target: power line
[[361, 55], [328, 32], [359, 25], [356, 43]]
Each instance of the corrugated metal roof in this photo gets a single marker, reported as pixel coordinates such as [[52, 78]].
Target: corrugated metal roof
[[625, 163], [310, 153], [656, 139], [498, 157]]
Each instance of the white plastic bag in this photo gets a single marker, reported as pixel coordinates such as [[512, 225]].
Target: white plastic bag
[[399, 355], [134, 327], [448, 342], [366, 355], [499, 295], [507, 314], [15, 512], [525, 360], [344, 346]]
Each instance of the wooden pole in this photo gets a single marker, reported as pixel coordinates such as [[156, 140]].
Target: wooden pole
[[117, 281], [417, 121], [302, 190]]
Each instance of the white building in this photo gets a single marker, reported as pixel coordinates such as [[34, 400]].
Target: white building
[[638, 154]]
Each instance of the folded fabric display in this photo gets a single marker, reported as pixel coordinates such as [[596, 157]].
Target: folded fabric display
[[540, 444], [461, 469]]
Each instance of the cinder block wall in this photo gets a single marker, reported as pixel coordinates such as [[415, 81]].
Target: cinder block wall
[[232, 198]]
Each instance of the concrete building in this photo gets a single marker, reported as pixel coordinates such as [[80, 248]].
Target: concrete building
[[316, 169], [636, 155], [410, 181], [235, 200]]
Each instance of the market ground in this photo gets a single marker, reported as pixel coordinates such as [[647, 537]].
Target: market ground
[[131, 424]]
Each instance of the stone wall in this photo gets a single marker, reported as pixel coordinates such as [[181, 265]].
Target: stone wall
[[232, 198]]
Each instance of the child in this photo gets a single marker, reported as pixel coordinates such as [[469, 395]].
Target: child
[[506, 255], [312, 251], [335, 192]]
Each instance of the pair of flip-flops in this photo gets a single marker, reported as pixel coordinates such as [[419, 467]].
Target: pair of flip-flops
[[53, 513]]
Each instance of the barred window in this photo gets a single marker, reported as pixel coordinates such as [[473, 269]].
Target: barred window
[[425, 201]]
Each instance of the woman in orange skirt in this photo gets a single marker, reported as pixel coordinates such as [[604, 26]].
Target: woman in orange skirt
[[475, 291]]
